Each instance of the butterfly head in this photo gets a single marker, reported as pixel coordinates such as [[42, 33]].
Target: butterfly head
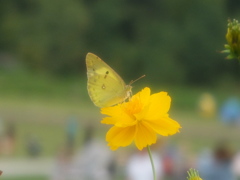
[[128, 91], [128, 88]]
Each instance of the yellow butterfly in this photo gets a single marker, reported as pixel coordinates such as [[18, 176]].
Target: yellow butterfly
[[105, 86]]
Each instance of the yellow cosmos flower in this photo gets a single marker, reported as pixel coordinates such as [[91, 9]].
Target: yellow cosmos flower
[[139, 120]]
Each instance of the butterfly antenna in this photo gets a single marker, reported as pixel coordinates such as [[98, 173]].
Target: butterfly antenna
[[133, 81]]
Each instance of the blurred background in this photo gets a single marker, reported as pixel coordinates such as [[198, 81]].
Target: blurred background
[[48, 125]]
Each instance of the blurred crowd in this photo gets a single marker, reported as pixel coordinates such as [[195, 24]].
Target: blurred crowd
[[94, 161], [221, 163], [8, 137]]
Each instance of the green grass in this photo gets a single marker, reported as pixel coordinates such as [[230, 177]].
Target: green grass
[[45, 121], [25, 178], [41, 87], [27, 85]]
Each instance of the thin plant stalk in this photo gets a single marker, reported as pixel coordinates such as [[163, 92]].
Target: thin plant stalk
[[152, 163]]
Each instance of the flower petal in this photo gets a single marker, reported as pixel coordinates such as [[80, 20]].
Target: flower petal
[[118, 116], [145, 135], [164, 126], [112, 111], [109, 120], [160, 102], [144, 96], [159, 105], [118, 136], [112, 147]]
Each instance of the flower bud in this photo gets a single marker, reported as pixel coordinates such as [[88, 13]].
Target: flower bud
[[193, 175], [233, 39]]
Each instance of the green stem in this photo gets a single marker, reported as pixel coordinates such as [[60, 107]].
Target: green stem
[[151, 159]]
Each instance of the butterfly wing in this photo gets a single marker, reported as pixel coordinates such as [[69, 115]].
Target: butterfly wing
[[105, 86]]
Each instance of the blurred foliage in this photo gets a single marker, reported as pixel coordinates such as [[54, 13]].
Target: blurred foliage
[[169, 41]]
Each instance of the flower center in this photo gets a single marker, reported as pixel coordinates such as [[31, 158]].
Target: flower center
[[133, 107]]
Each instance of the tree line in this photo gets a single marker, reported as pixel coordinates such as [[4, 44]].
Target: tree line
[[171, 41]]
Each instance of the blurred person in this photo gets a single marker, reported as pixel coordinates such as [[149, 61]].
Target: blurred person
[[174, 162], [63, 165], [168, 165], [169, 156], [230, 111], [33, 146], [207, 105], [236, 165], [94, 161], [2, 136], [139, 166], [219, 164], [71, 131], [8, 139], [1, 127], [204, 162]]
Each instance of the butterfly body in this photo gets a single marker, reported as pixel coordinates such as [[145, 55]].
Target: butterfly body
[[105, 86]]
